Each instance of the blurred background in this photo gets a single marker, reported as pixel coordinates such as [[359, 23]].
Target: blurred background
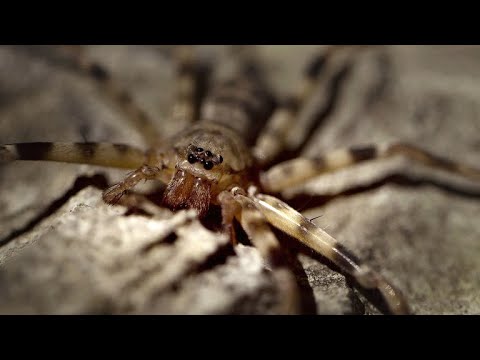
[[63, 251]]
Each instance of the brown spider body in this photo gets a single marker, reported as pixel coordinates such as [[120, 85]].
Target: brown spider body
[[213, 156], [207, 159], [222, 159]]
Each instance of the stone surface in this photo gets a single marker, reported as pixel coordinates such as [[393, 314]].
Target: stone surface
[[86, 257]]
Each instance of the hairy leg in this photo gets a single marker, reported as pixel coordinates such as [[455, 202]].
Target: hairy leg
[[295, 172], [243, 208], [288, 220], [114, 193]]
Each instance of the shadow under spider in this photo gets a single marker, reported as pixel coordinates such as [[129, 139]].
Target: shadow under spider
[[98, 181], [303, 202], [290, 247]]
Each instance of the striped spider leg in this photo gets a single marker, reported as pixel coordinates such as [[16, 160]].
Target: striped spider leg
[[183, 190], [188, 163], [219, 159], [237, 205], [297, 171], [284, 175], [174, 162]]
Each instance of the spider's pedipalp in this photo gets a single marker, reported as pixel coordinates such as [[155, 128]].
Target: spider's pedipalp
[[295, 172], [288, 220], [103, 154], [243, 208], [113, 194]]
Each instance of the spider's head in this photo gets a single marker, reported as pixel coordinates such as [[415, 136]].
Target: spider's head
[[207, 161], [198, 170]]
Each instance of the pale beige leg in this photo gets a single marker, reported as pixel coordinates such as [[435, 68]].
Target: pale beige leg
[[119, 96], [186, 84], [319, 72], [262, 237], [295, 172], [288, 220], [103, 154]]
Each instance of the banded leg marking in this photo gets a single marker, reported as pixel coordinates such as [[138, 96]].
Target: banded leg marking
[[296, 171], [184, 108], [273, 138], [262, 237], [103, 154], [288, 220], [115, 92]]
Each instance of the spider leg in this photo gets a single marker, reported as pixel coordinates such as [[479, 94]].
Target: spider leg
[[247, 62], [190, 77], [103, 154], [322, 72], [288, 220], [296, 171], [256, 227], [230, 208], [120, 97], [113, 194]]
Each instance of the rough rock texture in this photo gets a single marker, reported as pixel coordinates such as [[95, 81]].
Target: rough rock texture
[[97, 261], [78, 255]]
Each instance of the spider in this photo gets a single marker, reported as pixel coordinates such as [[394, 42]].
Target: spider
[[224, 158]]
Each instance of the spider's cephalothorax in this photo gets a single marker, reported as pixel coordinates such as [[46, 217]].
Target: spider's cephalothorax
[[222, 159], [212, 156], [209, 158]]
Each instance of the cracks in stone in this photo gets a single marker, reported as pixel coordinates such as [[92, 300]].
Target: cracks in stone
[[217, 258], [98, 181], [220, 256]]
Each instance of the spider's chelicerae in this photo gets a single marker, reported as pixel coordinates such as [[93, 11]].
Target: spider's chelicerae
[[232, 155]]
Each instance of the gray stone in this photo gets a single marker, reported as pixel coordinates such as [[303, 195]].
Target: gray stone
[[86, 257]]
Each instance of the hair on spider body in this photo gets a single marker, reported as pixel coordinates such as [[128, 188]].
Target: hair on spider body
[[223, 155], [186, 191]]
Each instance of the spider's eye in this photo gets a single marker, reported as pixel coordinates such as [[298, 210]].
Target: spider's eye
[[208, 165], [220, 159], [208, 153], [191, 159], [199, 149]]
